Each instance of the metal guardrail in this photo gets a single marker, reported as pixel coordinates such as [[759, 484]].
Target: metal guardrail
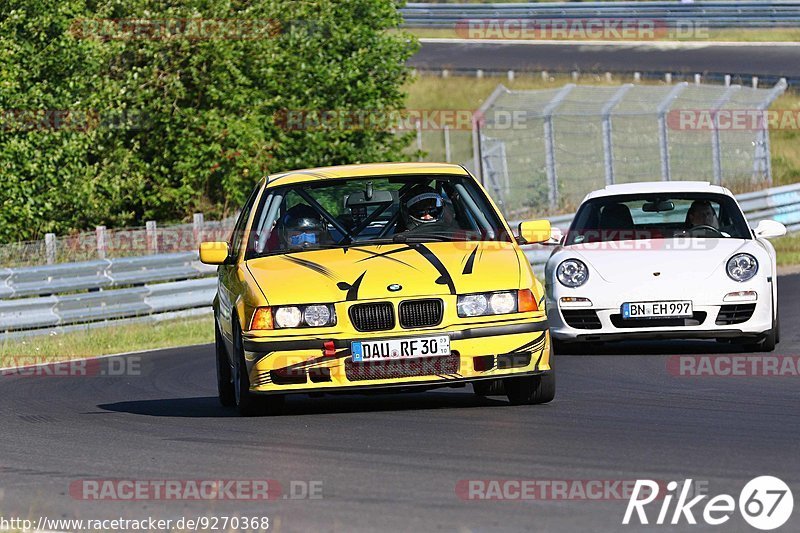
[[32, 298], [742, 14], [59, 297], [778, 203]]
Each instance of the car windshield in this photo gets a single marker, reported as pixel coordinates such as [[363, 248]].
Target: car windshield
[[657, 216], [363, 211]]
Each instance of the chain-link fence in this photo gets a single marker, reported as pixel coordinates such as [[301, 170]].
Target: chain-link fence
[[109, 243], [541, 151]]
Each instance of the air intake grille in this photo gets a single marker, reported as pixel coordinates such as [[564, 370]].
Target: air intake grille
[[735, 314], [402, 368], [421, 313], [372, 317], [582, 318]]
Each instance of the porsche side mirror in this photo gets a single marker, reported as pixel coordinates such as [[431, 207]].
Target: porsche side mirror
[[535, 231], [768, 229], [214, 253]]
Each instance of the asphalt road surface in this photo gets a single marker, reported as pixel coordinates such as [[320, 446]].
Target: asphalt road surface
[[766, 61], [394, 462]]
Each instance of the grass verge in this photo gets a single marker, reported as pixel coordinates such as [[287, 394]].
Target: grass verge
[[107, 340], [788, 249]]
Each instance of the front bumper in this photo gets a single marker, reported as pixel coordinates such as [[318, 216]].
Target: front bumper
[[602, 320], [324, 363]]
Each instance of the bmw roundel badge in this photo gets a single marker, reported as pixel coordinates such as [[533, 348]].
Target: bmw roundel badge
[[394, 287]]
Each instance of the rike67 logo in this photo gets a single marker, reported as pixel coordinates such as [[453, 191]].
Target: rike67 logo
[[765, 503]]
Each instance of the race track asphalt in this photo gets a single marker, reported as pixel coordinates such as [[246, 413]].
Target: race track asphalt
[[393, 462], [769, 62]]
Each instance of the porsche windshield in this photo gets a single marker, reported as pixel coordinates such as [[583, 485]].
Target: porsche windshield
[[353, 212], [661, 216]]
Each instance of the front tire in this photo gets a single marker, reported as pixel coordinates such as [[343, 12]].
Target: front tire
[[488, 387], [247, 403], [227, 396], [530, 390]]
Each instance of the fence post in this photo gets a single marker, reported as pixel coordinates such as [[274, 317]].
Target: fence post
[[50, 248], [197, 226], [549, 144], [608, 150], [419, 139], [100, 234], [447, 154], [663, 140], [766, 152], [477, 119], [716, 149], [152, 237]]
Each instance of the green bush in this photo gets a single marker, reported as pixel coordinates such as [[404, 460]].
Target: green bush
[[102, 125]]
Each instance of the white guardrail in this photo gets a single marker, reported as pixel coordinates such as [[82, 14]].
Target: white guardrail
[[43, 299]]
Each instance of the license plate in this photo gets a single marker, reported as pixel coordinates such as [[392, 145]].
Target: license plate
[[668, 309], [408, 348]]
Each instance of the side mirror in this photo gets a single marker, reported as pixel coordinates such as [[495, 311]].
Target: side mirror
[[767, 229], [214, 253], [535, 231]]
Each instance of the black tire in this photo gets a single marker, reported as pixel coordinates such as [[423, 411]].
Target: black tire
[[227, 396], [530, 390], [777, 327], [488, 387], [565, 348], [247, 403]]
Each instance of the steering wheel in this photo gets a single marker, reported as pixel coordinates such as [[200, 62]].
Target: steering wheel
[[705, 227]]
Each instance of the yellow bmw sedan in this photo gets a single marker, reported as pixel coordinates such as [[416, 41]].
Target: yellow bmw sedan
[[393, 276]]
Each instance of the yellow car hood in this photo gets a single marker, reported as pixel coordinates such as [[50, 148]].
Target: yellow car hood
[[366, 272]]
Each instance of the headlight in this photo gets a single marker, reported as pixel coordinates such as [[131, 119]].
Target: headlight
[[489, 303], [288, 317], [472, 305], [293, 316], [572, 273], [502, 303], [317, 315], [742, 267]]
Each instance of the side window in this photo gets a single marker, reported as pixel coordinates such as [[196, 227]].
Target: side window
[[238, 230]]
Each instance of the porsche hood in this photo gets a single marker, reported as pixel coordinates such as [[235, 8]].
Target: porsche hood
[[370, 272]]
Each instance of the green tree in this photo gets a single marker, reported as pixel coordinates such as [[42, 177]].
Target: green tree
[[181, 121]]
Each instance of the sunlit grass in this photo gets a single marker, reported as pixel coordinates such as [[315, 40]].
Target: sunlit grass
[[107, 340]]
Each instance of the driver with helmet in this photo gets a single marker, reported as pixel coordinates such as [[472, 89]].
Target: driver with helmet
[[424, 210], [301, 227]]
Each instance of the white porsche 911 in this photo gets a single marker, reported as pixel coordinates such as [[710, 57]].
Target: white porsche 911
[[663, 260]]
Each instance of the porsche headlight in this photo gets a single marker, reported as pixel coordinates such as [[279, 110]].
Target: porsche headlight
[[572, 273], [742, 267], [293, 316], [488, 303]]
